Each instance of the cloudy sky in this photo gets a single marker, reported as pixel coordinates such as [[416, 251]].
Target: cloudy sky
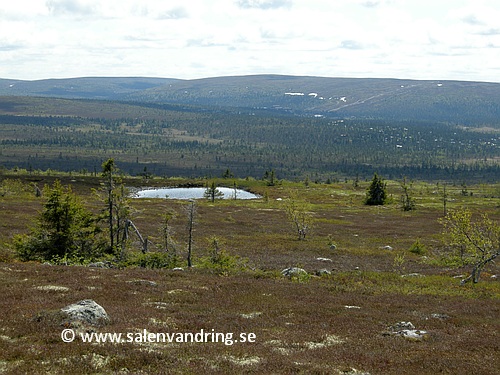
[[420, 39]]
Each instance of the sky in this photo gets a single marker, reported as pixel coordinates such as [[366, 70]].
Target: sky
[[188, 39]]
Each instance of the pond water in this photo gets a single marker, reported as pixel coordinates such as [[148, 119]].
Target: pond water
[[192, 193]]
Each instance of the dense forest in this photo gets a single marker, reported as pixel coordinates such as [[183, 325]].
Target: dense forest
[[77, 135]]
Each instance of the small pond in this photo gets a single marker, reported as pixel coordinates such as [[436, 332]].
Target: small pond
[[192, 193]]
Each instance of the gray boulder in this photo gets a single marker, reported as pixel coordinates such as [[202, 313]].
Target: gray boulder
[[86, 311], [323, 272], [293, 271], [406, 330], [401, 326]]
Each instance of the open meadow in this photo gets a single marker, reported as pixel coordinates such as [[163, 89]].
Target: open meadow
[[364, 276]]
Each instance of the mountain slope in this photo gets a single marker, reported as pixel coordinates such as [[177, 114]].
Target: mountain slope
[[457, 102], [446, 101], [88, 87]]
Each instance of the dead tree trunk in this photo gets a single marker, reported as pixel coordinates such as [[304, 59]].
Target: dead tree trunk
[[191, 212], [144, 241]]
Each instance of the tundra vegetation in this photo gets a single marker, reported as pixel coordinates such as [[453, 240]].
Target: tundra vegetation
[[387, 266]]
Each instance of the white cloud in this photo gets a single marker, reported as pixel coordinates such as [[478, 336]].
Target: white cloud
[[75, 7], [173, 13], [351, 44], [264, 4], [431, 39]]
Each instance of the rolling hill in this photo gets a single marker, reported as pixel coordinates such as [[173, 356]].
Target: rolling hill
[[80, 88], [468, 103], [455, 102]]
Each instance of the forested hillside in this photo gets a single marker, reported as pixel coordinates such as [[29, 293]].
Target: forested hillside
[[77, 135], [470, 103], [88, 87], [454, 102]]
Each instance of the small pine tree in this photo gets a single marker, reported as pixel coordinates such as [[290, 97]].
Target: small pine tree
[[407, 201], [212, 193], [65, 230], [376, 194], [227, 174], [270, 177]]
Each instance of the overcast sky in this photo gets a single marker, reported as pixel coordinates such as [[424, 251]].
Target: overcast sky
[[419, 39]]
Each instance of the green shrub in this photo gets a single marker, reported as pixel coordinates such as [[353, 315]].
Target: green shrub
[[153, 260], [223, 264], [219, 260], [14, 187], [418, 248], [301, 277]]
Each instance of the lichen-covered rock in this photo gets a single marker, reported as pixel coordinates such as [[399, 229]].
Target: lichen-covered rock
[[323, 272], [293, 271], [406, 330], [86, 311], [401, 326], [353, 371]]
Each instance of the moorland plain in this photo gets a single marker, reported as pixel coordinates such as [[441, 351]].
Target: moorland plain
[[316, 324]]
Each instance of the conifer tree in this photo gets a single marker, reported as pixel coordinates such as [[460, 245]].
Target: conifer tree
[[376, 194], [212, 193], [65, 229]]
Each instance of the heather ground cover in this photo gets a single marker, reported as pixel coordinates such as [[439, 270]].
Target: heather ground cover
[[335, 323]]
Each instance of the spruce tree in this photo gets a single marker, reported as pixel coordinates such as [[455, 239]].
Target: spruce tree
[[376, 194], [65, 230]]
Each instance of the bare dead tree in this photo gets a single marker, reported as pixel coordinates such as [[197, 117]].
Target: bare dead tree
[[445, 200], [144, 241], [166, 231], [191, 211]]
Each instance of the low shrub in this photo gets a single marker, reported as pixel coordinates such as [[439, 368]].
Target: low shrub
[[152, 260], [219, 260], [418, 248]]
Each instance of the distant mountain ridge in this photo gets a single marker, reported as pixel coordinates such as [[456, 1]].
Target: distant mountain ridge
[[460, 102], [106, 88]]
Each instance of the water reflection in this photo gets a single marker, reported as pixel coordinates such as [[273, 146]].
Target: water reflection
[[193, 193]]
